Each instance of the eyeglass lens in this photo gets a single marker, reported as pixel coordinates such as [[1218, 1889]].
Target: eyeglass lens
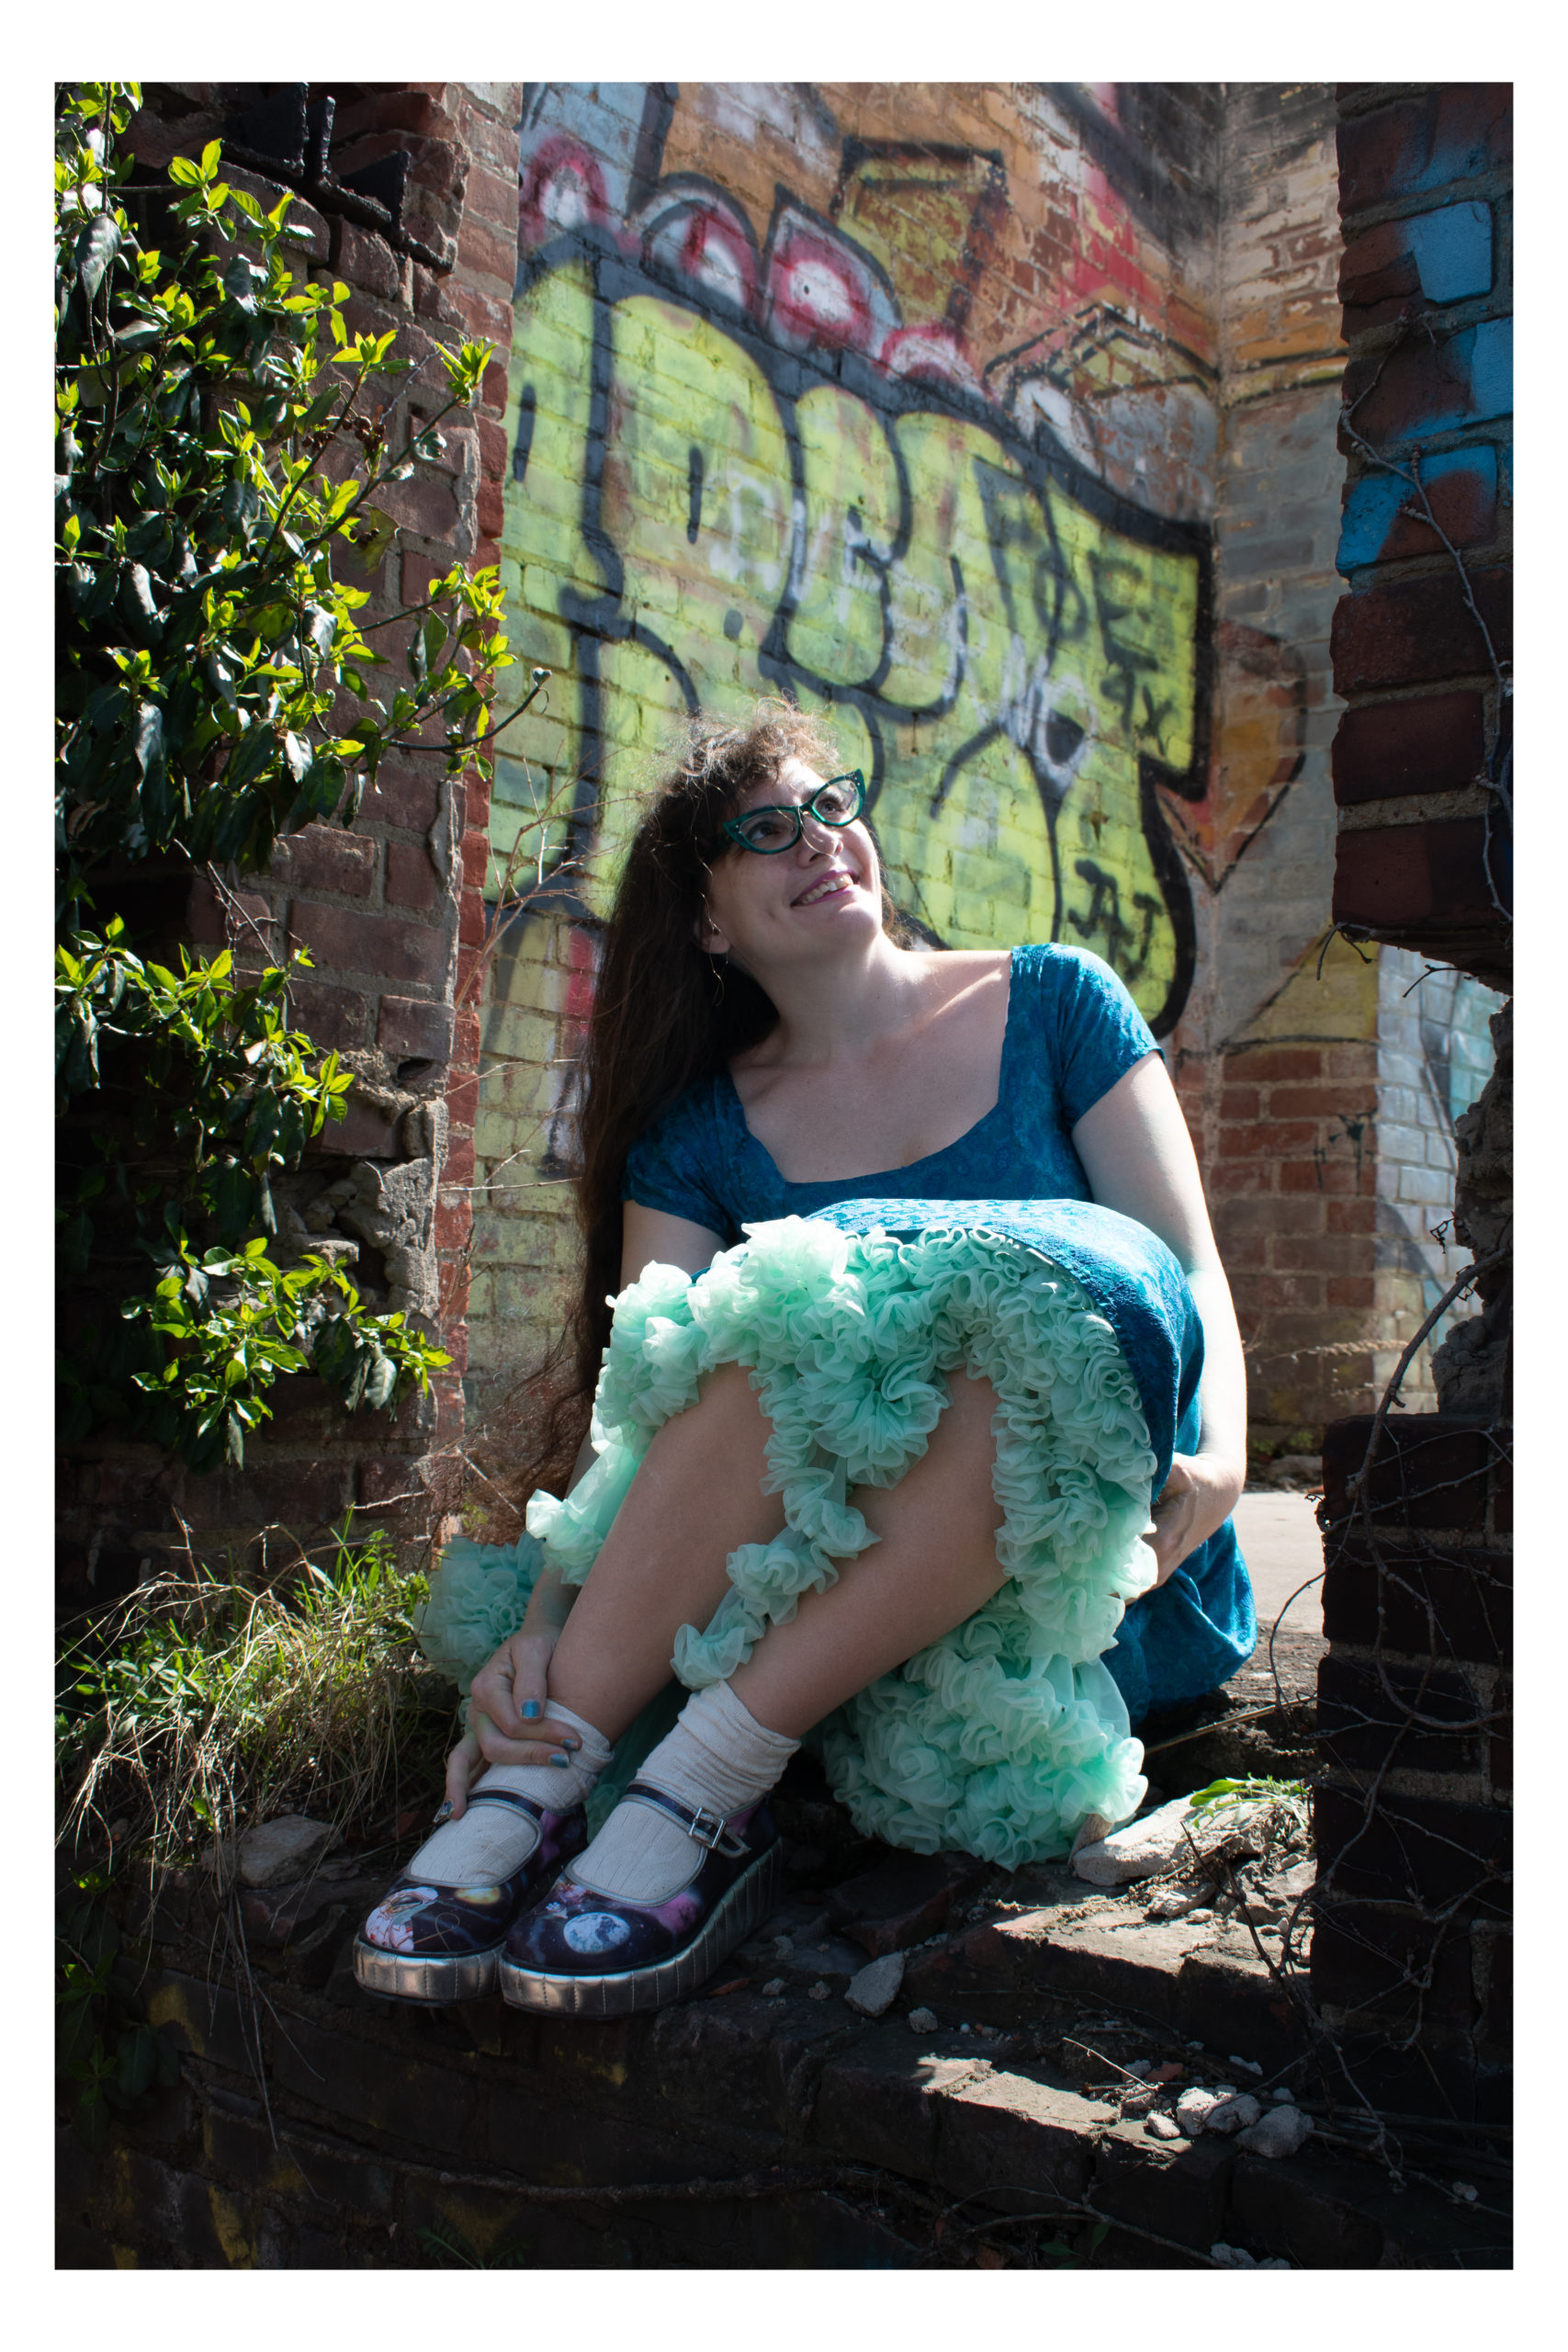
[[837, 802]]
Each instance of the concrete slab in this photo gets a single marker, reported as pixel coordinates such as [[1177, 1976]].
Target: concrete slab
[[1282, 1546]]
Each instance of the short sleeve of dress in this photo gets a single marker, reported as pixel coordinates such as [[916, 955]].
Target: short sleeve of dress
[[1100, 1032], [673, 1165]]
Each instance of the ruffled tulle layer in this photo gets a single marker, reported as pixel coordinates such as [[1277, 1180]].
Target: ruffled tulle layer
[[1004, 1735]]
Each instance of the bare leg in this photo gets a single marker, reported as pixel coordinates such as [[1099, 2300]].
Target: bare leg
[[935, 1566], [697, 1497]]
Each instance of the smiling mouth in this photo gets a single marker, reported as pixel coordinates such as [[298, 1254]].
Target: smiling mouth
[[831, 885]]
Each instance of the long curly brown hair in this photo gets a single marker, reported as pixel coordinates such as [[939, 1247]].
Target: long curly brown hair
[[666, 1015]]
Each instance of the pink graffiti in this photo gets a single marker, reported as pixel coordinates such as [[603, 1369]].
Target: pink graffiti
[[816, 294], [563, 188]]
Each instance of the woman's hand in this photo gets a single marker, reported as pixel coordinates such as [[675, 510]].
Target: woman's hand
[[1199, 1497], [507, 1721]]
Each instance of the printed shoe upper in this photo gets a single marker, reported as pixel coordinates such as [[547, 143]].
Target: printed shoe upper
[[574, 1932], [453, 1922]]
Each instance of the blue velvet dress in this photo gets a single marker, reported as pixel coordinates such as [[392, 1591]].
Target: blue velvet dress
[[1072, 1031], [852, 1303]]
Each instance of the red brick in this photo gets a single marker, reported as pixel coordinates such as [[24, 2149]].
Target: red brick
[[1417, 145], [365, 260], [490, 197], [425, 503], [1427, 743], [1298, 1213], [1464, 508], [1408, 395], [321, 857], [490, 508], [1320, 1101], [467, 1034], [1272, 1292], [1239, 1176], [457, 1168], [1350, 1290], [454, 1224], [1413, 632], [1378, 275], [471, 925], [413, 1029], [366, 1132], [411, 880], [1256, 1062], [1326, 1176], [419, 575], [1424, 1602], [209, 923], [1240, 1102], [1322, 1253], [1352, 1216], [1247, 1253], [448, 1392], [1429, 1470], [495, 456], [1361, 1951], [337, 1018], [390, 1478], [1267, 1139], [407, 793], [386, 946], [1412, 1849], [488, 249], [494, 388], [302, 1496], [463, 1101], [1391, 877]]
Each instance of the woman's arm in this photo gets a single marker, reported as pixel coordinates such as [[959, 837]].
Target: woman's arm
[[1138, 1157]]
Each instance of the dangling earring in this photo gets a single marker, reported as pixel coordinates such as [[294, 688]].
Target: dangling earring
[[715, 965]]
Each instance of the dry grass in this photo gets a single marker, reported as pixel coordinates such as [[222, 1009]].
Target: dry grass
[[203, 1704]]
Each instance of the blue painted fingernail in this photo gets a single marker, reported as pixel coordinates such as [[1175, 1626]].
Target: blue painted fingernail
[[443, 1813], [530, 1711], [570, 1742], [563, 1761]]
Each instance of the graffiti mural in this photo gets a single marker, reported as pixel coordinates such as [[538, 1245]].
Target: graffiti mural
[[751, 461]]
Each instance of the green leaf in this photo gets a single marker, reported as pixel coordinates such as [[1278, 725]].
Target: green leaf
[[95, 248], [184, 173]]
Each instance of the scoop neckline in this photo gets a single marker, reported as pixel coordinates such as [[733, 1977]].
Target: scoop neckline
[[878, 1175]]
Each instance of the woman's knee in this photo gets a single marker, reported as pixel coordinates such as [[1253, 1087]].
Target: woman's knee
[[971, 1410]]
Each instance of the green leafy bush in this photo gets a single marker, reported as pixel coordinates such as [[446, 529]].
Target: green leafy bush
[[221, 438]]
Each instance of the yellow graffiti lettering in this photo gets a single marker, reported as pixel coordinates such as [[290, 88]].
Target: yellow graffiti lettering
[[1005, 663]]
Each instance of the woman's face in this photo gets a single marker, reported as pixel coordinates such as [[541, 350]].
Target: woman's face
[[819, 896]]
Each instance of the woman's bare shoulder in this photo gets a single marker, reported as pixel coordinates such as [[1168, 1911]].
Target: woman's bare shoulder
[[951, 971]]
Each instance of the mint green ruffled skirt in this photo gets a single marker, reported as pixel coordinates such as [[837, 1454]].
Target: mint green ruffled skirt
[[1007, 1733]]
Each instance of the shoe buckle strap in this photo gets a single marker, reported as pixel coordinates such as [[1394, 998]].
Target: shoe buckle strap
[[513, 1798], [709, 1829]]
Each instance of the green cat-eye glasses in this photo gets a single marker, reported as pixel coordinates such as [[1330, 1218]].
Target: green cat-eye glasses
[[768, 830]]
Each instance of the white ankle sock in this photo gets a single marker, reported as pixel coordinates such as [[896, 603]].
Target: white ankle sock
[[719, 1758], [491, 1841]]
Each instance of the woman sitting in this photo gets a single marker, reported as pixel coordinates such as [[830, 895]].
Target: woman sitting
[[916, 1284]]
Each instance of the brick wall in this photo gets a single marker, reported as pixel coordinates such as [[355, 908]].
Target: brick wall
[[391, 911], [1428, 288], [1410, 1955]]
